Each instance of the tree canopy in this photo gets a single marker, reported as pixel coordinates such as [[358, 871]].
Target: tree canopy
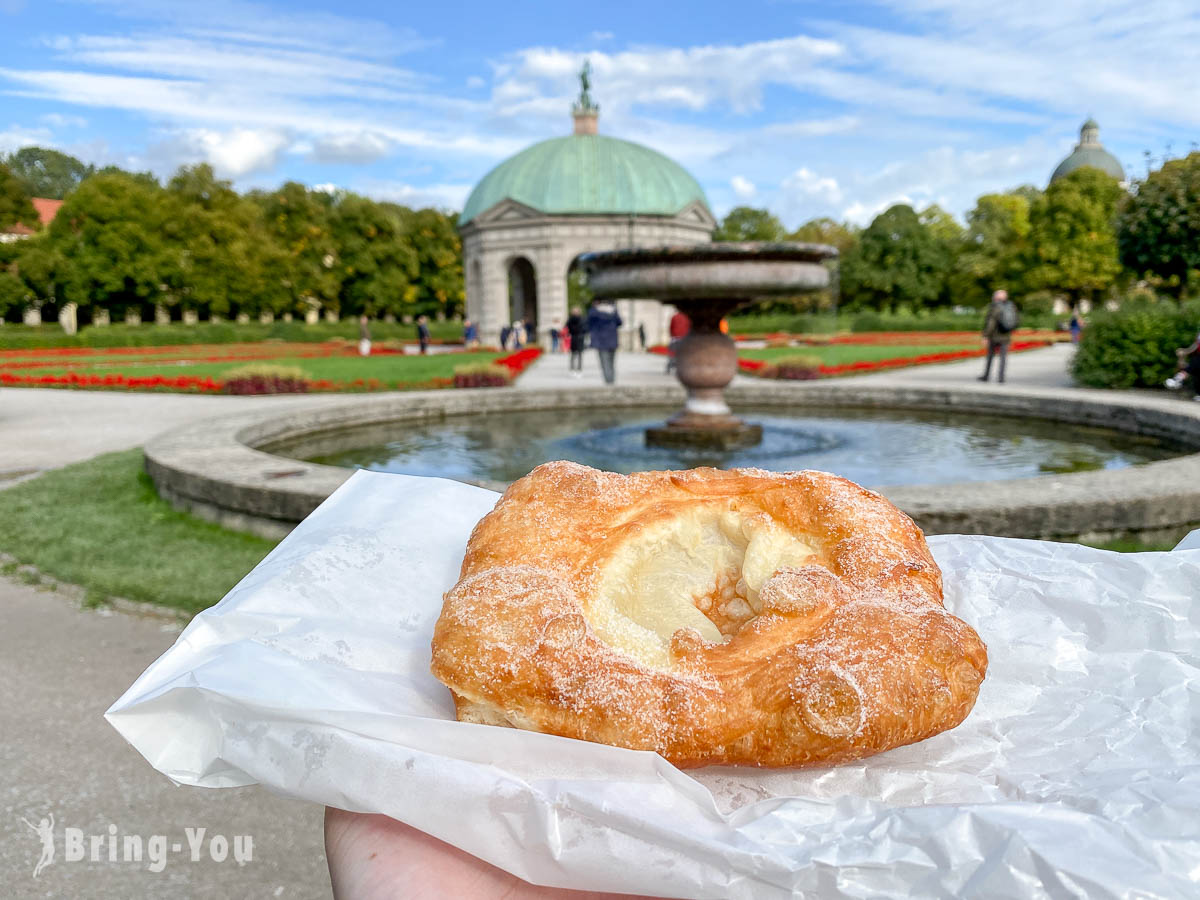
[[15, 206], [1158, 227], [1072, 235], [744, 223], [898, 261], [47, 173]]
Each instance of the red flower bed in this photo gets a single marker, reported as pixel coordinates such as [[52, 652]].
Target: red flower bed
[[149, 382], [752, 366], [521, 360]]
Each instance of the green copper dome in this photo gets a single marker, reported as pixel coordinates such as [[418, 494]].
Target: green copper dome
[[587, 174], [1089, 152]]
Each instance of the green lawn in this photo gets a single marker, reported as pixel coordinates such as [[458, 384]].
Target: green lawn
[[391, 369], [839, 354], [100, 524]]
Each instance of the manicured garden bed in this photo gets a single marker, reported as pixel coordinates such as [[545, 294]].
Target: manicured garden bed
[[333, 366]]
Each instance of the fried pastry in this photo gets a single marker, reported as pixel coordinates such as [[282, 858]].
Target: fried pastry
[[715, 617]]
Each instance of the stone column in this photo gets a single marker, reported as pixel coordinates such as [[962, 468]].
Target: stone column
[[68, 317], [287, 317], [133, 316], [32, 315], [331, 315], [162, 316], [266, 317], [190, 317], [243, 318], [390, 318], [100, 317], [312, 315], [215, 319]]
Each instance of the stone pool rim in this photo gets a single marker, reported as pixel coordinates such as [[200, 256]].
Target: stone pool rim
[[215, 470]]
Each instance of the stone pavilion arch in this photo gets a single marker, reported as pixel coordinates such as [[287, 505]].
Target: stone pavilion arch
[[564, 197], [523, 292]]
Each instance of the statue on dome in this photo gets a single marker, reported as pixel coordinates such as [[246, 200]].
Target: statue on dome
[[585, 85]]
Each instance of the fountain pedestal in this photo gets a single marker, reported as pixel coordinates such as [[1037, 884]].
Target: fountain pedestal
[[707, 282]]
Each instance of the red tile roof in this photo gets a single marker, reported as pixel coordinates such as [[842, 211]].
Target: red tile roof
[[46, 210]]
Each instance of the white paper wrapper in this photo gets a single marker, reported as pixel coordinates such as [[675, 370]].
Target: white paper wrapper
[[1077, 773]]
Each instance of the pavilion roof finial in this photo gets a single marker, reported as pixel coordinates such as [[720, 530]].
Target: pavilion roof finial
[[586, 111]]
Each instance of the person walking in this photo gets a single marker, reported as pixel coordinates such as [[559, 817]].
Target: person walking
[[555, 334], [1001, 321], [577, 337], [364, 335], [603, 322], [642, 335], [470, 334], [423, 334], [1075, 326]]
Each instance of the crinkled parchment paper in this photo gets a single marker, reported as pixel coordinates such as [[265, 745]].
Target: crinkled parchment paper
[[1077, 773]]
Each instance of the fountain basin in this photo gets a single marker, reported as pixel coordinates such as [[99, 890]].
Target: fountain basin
[[216, 470]]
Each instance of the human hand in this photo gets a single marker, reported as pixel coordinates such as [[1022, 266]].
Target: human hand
[[372, 856]]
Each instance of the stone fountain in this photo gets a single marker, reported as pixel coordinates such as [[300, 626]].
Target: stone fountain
[[707, 282]]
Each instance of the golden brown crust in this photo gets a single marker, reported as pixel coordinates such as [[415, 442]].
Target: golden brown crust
[[832, 656]]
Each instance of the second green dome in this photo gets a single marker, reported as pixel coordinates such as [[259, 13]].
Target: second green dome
[[587, 174]]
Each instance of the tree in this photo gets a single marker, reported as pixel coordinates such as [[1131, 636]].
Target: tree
[[109, 235], [897, 261], [218, 253], [1073, 241], [439, 281], [15, 206], [48, 173], [824, 230], [744, 223], [994, 248], [299, 221], [1158, 227], [378, 267]]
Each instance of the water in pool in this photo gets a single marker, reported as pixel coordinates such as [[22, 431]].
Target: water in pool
[[868, 446]]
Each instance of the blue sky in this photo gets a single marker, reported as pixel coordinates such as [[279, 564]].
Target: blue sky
[[806, 108]]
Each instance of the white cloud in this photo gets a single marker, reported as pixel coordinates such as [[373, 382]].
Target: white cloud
[[742, 187], [15, 137], [327, 188], [58, 120], [354, 148], [602, 35], [233, 154], [442, 196]]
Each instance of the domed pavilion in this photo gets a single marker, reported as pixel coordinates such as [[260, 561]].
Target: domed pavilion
[[1090, 152], [532, 216]]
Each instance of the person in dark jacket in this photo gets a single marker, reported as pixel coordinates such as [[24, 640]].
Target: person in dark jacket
[[1001, 321], [603, 322], [423, 333], [577, 333]]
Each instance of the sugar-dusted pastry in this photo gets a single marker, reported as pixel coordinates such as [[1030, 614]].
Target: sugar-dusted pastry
[[716, 617]]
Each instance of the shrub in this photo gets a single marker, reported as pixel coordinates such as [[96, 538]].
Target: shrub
[[265, 378], [1135, 345], [800, 367], [482, 375]]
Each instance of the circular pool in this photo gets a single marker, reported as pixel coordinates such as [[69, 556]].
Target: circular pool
[[1024, 462], [875, 447]]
